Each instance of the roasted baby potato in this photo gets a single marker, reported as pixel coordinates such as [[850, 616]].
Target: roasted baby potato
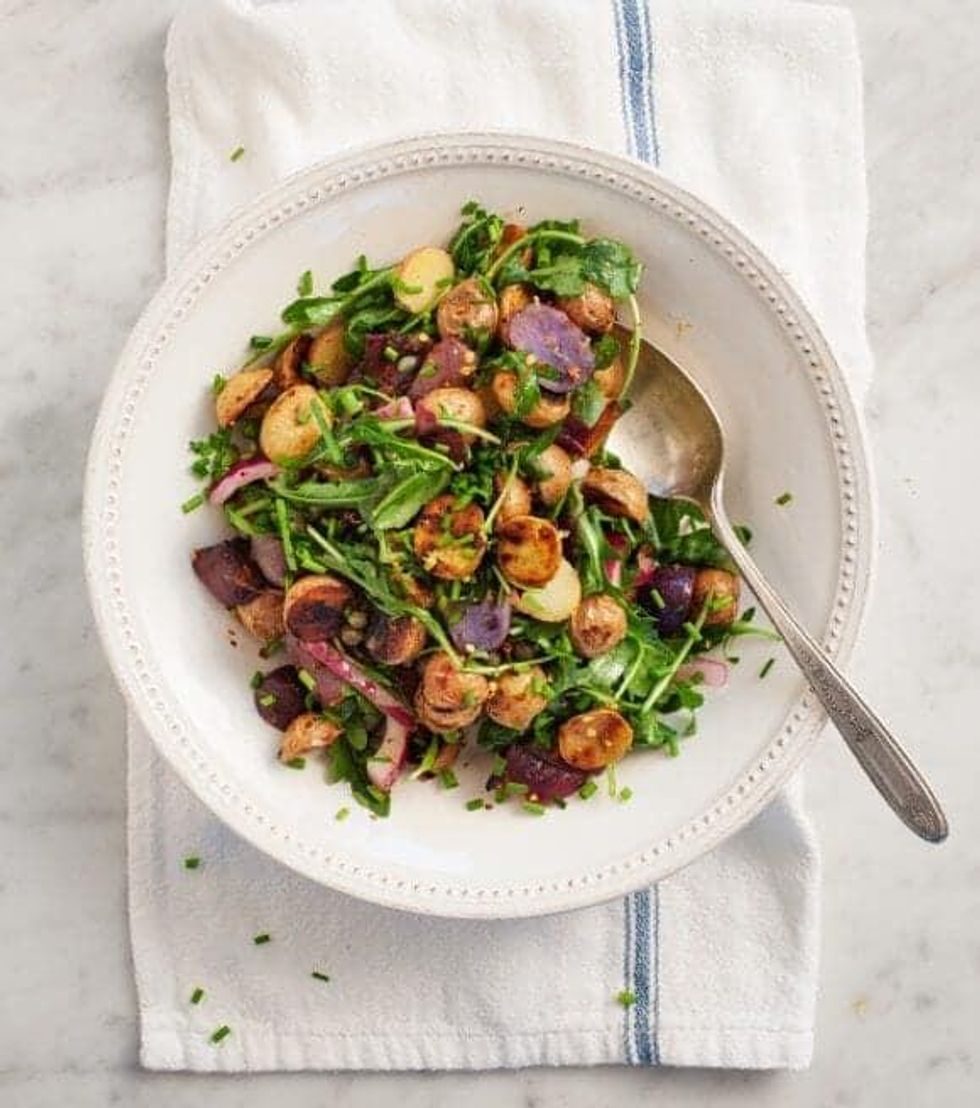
[[289, 430], [450, 542], [457, 404], [395, 641], [518, 698], [555, 468], [307, 732], [718, 589], [291, 359], [593, 310], [597, 625], [594, 739], [516, 500], [548, 411], [612, 378], [510, 300], [327, 356], [240, 393], [263, 617], [280, 697], [227, 571], [528, 551], [617, 493], [315, 606], [447, 698], [422, 276], [467, 311], [555, 601]]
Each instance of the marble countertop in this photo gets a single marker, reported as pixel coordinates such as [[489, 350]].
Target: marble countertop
[[83, 181]]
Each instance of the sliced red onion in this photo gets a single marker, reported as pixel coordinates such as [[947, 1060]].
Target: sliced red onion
[[385, 767], [329, 690], [555, 341], [613, 569], [395, 409], [713, 671], [348, 671], [546, 775], [483, 626], [267, 553], [646, 567], [242, 473]]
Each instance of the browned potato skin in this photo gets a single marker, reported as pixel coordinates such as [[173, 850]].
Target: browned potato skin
[[611, 379], [314, 606], [597, 625], [447, 698], [617, 492], [462, 405], [239, 393], [307, 732], [327, 356], [514, 702], [289, 431], [516, 501], [557, 464], [286, 369], [510, 300], [396, 642], [594, 739], [711, 587], [548, 411], [444, 720], [445, 559], [466, 309], [412, 589], [593, 310], [263, 617], [528, 551]]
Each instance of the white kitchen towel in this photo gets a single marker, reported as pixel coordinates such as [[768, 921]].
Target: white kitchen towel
[[757, 108]]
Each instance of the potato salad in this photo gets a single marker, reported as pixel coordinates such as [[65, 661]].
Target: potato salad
[[432, 540]]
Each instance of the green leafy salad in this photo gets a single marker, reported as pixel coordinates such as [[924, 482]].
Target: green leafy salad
[[431, 538]]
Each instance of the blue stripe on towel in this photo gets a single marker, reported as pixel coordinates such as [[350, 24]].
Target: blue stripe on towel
[[641, 958]]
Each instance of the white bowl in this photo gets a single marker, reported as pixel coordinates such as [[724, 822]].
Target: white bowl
[[709, 299]]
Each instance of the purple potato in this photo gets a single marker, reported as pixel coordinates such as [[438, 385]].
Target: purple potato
[[483, 626], [391, 376], [675, 587], [268, 555], [227, 571], [281, 697], [555, 341], [446, 365], [546, 775]]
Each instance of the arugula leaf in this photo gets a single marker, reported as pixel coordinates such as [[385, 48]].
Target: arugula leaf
[[329, 494], [406, 499], [611, 266], [473, 245], [588, 402], [681, 534]]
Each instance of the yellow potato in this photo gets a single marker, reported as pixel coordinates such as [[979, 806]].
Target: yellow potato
[[289, 431], [594, 739], [598, 624], [557, 600], [450, 543], [528, 551], [307, 732], [556, 466], [315, 606], [617, 493], [516, 501], [548, 410], [718, 589], [263, 617], [239, 393], [424, 274], [593, 310], [461, 405], [518, 698], [468, 310], [327, 356]]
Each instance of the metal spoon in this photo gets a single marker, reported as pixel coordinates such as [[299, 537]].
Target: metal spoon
[[683, 456]]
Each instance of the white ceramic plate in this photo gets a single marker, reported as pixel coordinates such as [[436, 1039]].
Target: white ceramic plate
[[709, 299]]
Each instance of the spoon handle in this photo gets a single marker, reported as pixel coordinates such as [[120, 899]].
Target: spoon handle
[[881, 757]]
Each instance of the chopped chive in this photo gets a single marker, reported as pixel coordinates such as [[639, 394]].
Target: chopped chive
[[658, 601], [197, 995], [627, 998], [222, 1033], [784, 498], [499, 766], [296, 763], [306, 678], [237, 153], [448, 779], [260, 940], [304, 286], [273, 646], [625, 793], [391, 354], [559, 802], [257, 678], [320, 976], [217, 384], [516, 788], [261, 342], [533, 808], [342, 814], [475, 804], [268, 700], [590, 788], [195, 502], [747, 616], [766, 668], [193, 862]]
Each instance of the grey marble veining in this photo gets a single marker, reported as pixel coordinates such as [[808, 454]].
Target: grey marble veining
[[83, 174]]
